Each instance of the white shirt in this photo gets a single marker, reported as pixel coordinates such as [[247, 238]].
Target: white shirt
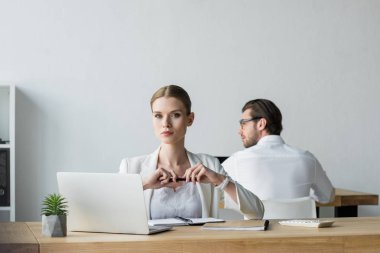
[[183, 201], [272, 169]]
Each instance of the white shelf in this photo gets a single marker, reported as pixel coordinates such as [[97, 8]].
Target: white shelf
[[7, 132]]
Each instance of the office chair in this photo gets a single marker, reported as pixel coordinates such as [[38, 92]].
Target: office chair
[[297, 208], [221, 158]]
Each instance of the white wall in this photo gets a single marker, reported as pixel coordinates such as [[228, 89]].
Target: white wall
[[85, 71]]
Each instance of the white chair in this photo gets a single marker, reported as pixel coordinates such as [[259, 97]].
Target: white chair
[[297, 208]]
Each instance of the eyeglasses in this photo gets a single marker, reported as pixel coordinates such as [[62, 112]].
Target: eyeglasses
[[243, 121]]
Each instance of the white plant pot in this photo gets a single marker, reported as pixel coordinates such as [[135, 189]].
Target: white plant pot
[[54, 225]]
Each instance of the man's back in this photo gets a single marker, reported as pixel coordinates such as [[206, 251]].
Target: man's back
[[272, 169]]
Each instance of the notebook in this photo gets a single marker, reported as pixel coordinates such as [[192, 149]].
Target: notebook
[[249, 225], [180, 221], [105, 202]]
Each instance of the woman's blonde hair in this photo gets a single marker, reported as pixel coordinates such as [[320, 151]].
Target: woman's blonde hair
[[174, 91]]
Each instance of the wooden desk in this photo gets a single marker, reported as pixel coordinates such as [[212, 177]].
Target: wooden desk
[[346, 202], [359, 235], [16, 237]]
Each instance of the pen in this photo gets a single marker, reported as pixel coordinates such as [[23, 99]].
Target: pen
[[178, 179], [184, 219]]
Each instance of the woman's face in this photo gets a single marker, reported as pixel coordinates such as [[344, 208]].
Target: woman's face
[[170, 120]]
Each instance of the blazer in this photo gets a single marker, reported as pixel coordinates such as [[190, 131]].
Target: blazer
[[248, 203]]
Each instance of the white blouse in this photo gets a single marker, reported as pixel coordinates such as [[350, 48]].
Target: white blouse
[[183, 201]]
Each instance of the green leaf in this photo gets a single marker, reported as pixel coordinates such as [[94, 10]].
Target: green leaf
[[54, 204]]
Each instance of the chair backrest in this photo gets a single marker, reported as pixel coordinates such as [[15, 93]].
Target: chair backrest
[[221, 158], [298, 208]]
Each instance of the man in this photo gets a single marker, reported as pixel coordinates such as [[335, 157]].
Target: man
[[269, 167]]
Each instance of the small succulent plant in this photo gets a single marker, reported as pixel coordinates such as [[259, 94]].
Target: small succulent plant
[[54, 204]]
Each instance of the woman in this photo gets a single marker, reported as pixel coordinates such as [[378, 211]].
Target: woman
[[177, 182]]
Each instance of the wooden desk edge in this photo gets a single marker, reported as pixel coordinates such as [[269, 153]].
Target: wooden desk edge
[[18, 237], [345, 197], [362, 237]]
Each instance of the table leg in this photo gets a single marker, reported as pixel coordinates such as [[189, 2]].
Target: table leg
[[346, 211]]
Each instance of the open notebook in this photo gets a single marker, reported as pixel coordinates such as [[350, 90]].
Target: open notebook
[[105, 202], [179, 221]]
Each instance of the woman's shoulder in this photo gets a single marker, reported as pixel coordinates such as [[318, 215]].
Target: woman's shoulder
[[202, 156], [206, 159], [133, 164]]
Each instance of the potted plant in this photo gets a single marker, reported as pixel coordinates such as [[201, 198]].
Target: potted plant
[[54, 213]]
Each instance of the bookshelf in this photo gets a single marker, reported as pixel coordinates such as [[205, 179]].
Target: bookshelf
[[7, 152]]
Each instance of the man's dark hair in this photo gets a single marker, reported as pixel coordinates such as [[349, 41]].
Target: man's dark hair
[[268, 110]]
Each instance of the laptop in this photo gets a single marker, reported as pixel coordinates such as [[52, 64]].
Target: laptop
[[105, 202]]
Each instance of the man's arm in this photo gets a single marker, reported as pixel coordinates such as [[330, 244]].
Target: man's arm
[[323, 188]]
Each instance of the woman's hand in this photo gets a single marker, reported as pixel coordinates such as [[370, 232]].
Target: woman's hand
[[202, 174], [161, 178]]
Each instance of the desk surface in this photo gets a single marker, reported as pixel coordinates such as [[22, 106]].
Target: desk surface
[[357, 235], [345, 197], [17, 237]]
